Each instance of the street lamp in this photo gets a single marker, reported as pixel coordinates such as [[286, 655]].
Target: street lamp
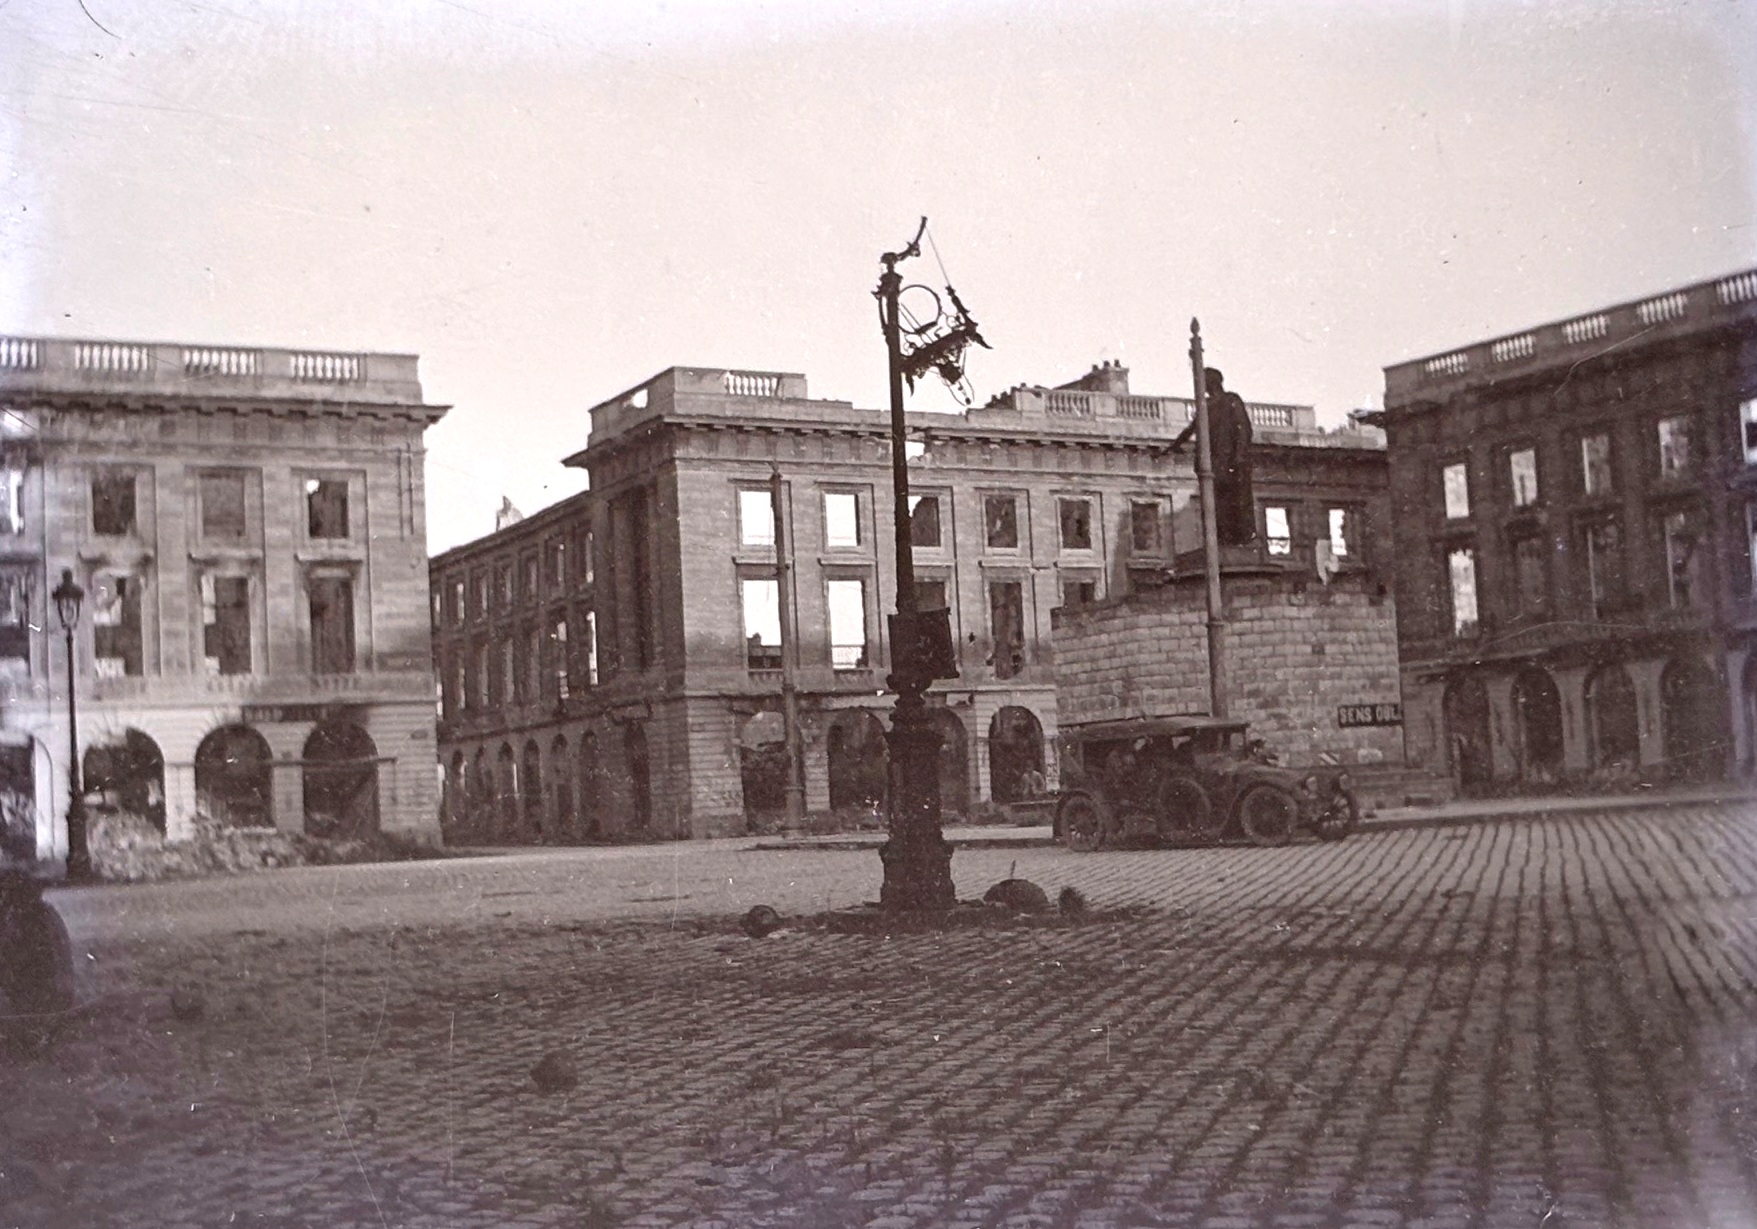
[[67, 597], [917, 859]]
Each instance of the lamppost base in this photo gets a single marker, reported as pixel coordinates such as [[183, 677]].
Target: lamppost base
[[918, 875]]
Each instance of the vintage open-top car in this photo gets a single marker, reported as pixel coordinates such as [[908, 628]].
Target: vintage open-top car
[[1190, 780]]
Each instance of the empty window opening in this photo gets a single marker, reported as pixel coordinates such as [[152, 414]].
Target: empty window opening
[[225, 623], [1076, 524], [1277, 530], [326, 507], [1000, 516], [1522, 472], [1455, 480], [332, 624], [841, 519], [924, 520], [116, 633], [222, 507], [113, 504], [847, 602], [762, 624], [756, 518]]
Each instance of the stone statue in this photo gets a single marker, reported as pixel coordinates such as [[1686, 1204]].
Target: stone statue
[[1229, 437]]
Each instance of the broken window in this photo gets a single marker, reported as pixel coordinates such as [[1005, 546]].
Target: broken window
[[1000, 518], [113, 504], [1006, 622], [587, 557], [841, 519], [1344, 532], [1076, 522], [1461, 571], [1531, 589], [326, 507], [504, 586], [558, 657], [1677, 447], [11, 501], [1144, 527], [1455, 485], [847, 601], [531, 573], [1277, 530], [762, 624], [116, 633], [225, 623], [479, 590], [1522, 474], [1604, 566], [1682, 566], [457, 603], [222, 507], [756, 518], [1079, 592], [15, 619], [924, 520], [1595, 464], [332, 624], [558, 565], [591, 649]]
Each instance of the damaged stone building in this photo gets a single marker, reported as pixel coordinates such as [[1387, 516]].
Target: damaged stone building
[[247, 526], [611, 666], [1576, 533]]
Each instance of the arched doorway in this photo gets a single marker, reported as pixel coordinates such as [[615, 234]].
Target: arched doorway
[[506, 800], [954, 762], [762, 767], [1015, 755], [128, 775], [18, 801], [640, 784], [1693, 719], [561, 785], [1537, 724], [234, 777], [1466, 710], [341, 781], [1611, 723], [531, 792], [858, 760], [591, 788]]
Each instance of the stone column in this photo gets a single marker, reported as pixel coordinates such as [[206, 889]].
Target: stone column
[[1648, 725], [1576, 737], [1504, 754], [286, 743]]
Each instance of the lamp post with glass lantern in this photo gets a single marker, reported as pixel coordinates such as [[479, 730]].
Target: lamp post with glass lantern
[[67, 597]]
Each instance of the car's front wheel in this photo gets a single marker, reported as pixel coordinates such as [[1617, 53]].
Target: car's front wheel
[[1268, 815], [1084, 821], [1340, 818]]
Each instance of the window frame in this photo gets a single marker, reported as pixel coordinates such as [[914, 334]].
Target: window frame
[[832, 543], [749, 499], [1512, 454], [114, 473], [992, 500], [1460, 466], [1062, 503]]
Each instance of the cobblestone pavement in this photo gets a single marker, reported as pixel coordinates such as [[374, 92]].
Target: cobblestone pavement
[[1543, 1022]]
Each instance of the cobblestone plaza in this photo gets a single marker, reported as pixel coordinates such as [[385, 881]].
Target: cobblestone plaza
[[1542, 1021]]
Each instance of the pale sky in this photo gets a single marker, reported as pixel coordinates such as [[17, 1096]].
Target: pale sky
[[549, 202]]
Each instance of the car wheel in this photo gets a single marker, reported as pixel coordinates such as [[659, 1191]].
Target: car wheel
[[1186, 813], [1339, 819], [1084, 821], [1268, 815]]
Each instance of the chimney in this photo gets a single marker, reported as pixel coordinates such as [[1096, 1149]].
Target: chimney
[[1109, 376]]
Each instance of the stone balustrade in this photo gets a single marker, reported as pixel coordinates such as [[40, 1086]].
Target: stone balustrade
[[74, 365], [1706, 305]]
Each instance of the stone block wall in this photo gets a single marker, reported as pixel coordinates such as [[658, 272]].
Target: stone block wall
[[1297, 651]]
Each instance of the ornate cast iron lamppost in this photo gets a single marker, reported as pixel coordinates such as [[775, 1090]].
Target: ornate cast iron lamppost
[[917, 859], [67, 596]]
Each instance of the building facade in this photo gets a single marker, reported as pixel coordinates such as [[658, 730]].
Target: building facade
[[612, 665], [248, 528], [1576, 533]]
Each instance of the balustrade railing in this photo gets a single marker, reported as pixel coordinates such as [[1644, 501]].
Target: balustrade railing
[[751, 384], [317, 365], [1701, 305], [218, 361], [19, 353], [1067, 404], [111, 356]]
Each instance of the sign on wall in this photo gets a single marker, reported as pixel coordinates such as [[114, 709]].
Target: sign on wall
[[1353, 715]]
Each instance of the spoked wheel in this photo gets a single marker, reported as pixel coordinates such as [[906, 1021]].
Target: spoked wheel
[[1268, 815], [1339, 819], [1186, 813], [1084, 821]]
